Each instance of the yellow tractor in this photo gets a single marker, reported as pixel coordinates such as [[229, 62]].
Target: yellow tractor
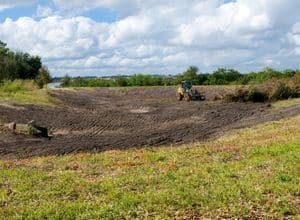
[[188, 93]]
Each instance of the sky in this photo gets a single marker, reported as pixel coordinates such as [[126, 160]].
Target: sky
[[111, 37]]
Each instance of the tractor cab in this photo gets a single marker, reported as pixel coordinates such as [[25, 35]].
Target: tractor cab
[[186, 85]]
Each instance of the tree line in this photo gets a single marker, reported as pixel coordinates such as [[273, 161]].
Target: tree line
[[221, 76], [20, 65]]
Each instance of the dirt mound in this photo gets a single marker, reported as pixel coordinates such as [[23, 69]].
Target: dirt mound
[[101, 119]]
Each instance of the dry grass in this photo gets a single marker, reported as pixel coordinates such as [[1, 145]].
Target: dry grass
[[286, 103]]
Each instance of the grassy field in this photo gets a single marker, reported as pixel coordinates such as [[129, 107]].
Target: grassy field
[[250, 173], [24, 92]]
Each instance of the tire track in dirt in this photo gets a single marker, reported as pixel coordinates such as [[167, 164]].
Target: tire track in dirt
[[103, 119]]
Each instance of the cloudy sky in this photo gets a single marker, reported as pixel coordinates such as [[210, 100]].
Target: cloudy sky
[[105, 37]]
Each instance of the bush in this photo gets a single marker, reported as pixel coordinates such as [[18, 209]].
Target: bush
[[43, 78], [121, 81], [256, 95], [283, 91], [98, 82], [272, 90], [31, 130], [247, 95], [224, 76], [66, 81], [79, 82], [145, 80], [239, 96]]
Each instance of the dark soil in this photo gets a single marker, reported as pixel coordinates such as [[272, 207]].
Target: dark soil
[[103, 119]]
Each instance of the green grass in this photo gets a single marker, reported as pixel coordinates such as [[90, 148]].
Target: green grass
[[286, 103], [24, 92], [251, 173]]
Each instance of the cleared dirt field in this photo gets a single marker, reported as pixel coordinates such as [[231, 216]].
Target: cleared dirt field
[[101, 119]]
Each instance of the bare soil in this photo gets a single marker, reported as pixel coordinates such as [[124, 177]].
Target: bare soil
[[104, 119]]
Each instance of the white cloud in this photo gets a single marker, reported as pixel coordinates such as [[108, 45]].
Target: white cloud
[[6, 4], [44, 11], [161, 36], [294, 37]]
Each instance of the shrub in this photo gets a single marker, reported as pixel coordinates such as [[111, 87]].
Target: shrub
[[224, 76], [283, 91], [269, 91], [80, 82], [256, 95], [121, 81], [43, 78], [98, 82], [244, 95], [31, 130], [66, 81]]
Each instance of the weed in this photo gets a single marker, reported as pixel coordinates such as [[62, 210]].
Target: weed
[[31, 130]]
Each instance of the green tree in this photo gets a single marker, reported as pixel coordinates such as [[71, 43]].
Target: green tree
[[3, 49], [289, 73], [121, 81], [66, 81], [18, 65], [191, 74], [43, 78], [224, 76]]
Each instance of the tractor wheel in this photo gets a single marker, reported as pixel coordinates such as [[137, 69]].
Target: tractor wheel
[[187, 97], [179, 97]]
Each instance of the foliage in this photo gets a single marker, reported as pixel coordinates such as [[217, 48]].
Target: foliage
[[191, 74], [31, 130], [43, 78], [66, 81], [18, 65], [145, 80], [121, 81], [224, 76], [272, 90], [283, 91], [221, 76]]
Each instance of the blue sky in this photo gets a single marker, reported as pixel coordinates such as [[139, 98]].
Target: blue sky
[[30, 10], [104, 37], [15, 13]]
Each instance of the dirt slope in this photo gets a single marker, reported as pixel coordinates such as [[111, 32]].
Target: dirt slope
[[96, 120]]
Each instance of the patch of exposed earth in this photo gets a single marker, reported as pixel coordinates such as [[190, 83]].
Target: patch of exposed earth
[[102, 119]]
